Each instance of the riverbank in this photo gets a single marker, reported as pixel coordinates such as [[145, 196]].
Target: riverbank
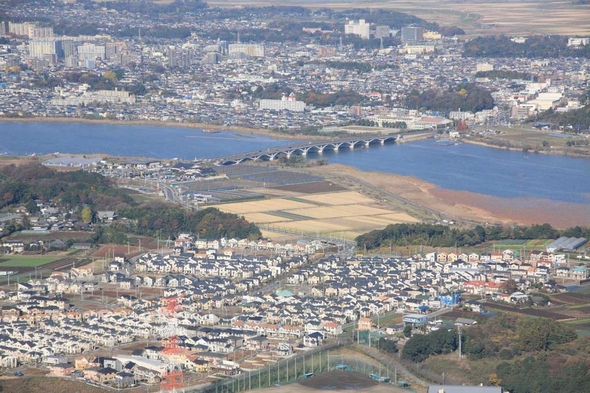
[[468, 206], [155, 123]]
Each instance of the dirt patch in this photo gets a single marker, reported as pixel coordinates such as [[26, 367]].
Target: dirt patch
[[347, 380], [468, 206], [529, 311], [46, 385], [311, 188]]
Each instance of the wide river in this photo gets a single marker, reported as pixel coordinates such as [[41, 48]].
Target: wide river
[[459, 167]]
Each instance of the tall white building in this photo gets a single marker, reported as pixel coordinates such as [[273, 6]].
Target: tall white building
[[91, 52], [360, 28], [289, 103], [39, 48], [42, 32], [21, 29], [252, 50]]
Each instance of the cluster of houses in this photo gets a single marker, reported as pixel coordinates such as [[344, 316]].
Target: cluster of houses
[[325, 297]]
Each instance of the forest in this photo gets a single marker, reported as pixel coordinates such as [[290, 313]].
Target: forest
[[543, 47], [468, 97], [446, 236], [525, 354], [84, 193]]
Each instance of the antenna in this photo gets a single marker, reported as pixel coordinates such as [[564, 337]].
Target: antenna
[[238, 37]]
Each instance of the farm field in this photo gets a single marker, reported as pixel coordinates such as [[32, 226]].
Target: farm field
[[476, 18], [26, 261], [344, 214]]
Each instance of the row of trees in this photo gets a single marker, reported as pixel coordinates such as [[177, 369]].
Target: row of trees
[[467, 97], [168, 221], [445, 236]]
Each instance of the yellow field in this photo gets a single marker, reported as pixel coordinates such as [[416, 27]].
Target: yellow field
[[476, 18], [339, 211], [344, 214], [263, 218], [338, 198], [266, 205]]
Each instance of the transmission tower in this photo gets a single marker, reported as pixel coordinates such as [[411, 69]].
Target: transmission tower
[[173, 380]]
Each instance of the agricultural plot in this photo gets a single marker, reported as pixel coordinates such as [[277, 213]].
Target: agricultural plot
[[345, 214], [338, 198], [262, 206], [26, 261], [289, 216], [340, 211]]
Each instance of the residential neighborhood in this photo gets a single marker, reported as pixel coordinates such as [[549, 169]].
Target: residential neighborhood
[[230, 313]]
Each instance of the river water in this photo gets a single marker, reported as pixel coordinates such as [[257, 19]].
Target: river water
[[464, 167]]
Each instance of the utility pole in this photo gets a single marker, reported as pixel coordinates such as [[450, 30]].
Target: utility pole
[[459, 332]]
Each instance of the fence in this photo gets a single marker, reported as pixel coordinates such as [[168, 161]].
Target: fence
[[297, 368]]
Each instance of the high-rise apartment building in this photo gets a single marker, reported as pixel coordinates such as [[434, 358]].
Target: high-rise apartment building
[[412, 34], [91, 52], [252, 50], [41, 33], [39, 48], [360, 28]]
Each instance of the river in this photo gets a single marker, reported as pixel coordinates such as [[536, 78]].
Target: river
[[466, 167]]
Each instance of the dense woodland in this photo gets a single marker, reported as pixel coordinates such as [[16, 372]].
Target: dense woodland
[[468, 97], [552, 46], [531, 354], [84, 193], [445, 236]]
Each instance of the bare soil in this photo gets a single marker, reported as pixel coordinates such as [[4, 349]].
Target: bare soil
[[311, 188], [335, 381], [468, 206]]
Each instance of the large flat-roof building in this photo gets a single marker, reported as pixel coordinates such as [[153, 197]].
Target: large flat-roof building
[[289, 103], [412, 34], [360, 28]]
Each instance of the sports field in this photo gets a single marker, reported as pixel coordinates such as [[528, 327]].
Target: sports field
[[344, 214], [26, 260]]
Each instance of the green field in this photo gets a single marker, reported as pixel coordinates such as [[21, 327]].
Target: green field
[[388, 320], [26, 261]]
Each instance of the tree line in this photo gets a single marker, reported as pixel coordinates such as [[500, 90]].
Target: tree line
[[553, 46], [444, 236]]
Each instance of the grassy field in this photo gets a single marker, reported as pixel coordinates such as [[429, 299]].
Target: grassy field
[[26, 260], [388, 320]]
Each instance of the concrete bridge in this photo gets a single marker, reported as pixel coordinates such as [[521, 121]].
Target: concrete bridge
[[309, 147]]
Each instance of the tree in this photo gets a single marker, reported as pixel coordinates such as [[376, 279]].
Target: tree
[[417, 349], [87, 215], [408, 331], [389, 346], [32, 207]]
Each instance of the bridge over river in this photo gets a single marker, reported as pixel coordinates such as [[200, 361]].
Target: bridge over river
[[310, 147]]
